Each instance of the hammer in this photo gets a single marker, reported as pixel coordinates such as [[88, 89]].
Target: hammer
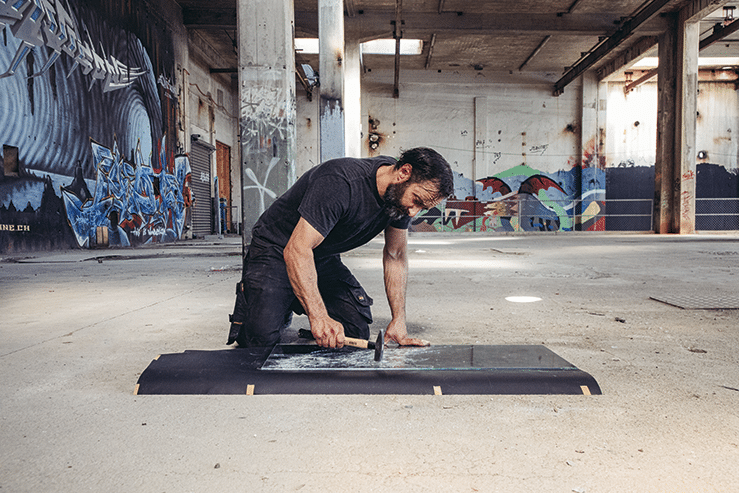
[[378, 345]]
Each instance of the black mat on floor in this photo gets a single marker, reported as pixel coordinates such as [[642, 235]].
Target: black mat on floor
[[488, 370]]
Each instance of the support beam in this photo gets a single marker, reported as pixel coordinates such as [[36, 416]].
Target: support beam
[[353, 99], [611, 43], [687, 93], [267, 105], [630, 55], [591, 209], [431, 51], [641, 80], [664, 199], [331, 69], [719, 33], [372, 24], [398, 35]]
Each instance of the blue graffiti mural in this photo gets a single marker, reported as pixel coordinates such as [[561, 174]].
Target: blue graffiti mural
[[132, 200], [86, 100]]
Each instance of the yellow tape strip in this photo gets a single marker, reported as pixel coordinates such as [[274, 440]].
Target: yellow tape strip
[[250, 389], [437, 390], [585, 389]]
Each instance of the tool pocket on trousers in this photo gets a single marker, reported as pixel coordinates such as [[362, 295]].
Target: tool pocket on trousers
[[361, 300]]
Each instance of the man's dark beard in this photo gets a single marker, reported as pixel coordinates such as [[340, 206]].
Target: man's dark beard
[[393, 206]]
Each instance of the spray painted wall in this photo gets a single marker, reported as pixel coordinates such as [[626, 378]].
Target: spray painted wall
[[88, 108], [529, 177]]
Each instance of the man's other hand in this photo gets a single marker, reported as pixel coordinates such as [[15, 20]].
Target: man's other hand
[[397, 332], [328, 332]]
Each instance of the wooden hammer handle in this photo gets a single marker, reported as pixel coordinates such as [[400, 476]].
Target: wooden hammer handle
[[348, 341], [361, 343]]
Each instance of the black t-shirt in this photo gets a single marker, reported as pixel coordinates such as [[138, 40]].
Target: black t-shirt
[[339, 198]]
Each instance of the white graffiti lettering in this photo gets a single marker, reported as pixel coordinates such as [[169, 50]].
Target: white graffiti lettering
[[37, 23]]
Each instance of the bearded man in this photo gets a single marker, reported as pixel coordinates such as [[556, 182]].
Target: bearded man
[[293, 263]]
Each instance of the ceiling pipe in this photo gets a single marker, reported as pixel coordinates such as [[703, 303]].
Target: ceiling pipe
[[397, 34], [535, 52], [431, 51]]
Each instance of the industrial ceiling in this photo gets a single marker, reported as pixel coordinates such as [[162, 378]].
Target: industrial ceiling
[[558, 38]]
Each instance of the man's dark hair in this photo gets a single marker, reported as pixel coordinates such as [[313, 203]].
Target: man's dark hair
[[429, 165]]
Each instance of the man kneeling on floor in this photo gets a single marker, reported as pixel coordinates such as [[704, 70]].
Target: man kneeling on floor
[[293, 263]]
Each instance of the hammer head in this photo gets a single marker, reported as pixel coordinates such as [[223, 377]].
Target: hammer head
[[379, 346]]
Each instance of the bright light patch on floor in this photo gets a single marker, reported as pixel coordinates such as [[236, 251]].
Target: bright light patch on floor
[[523, 299]]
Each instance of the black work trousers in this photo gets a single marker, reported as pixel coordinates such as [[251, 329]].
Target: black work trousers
[[265, 300]]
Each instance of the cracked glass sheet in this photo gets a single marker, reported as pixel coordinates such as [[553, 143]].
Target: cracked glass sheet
[[289, 357], [700, 301]]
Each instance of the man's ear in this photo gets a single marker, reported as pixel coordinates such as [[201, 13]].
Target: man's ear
[[404, 173]]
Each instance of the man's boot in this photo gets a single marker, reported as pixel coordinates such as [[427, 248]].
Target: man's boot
[[237, 318]]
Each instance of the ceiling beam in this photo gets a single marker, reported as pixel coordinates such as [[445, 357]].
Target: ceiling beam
[[209, 18], [611, 43], [633, 53], [374, 23], [398, 35], [720, 32]]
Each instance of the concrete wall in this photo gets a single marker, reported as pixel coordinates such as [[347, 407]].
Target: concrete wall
[[515, 155], [212, 113]]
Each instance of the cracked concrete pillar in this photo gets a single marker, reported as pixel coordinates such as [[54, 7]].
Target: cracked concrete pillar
[[331, 72], [688, 41], [353, 99], [267, 104]]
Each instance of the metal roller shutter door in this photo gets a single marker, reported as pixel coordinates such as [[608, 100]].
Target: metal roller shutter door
[[202, 213]]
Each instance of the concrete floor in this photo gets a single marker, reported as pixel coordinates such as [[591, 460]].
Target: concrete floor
[[75, 334]]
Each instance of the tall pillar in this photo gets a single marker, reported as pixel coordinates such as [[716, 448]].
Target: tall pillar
[[667, 105], [688, 40], [267, 104], [331, 71], [676, 122], [591, 208], [353, 99]]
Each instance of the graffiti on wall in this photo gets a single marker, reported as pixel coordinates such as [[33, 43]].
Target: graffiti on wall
[[49, 24], [521, 199], [87, 123], [132, 200]]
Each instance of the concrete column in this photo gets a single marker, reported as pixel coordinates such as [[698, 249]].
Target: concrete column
[[482, 143], [331, 71], [353, 99], [688, 40], [267, 104], [664, 183], [592, 205]]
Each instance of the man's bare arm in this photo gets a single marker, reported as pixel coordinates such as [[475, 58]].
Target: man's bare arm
[[301, 269], [395, 267]]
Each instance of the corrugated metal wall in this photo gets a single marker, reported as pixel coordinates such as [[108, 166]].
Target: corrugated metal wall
[[202, 210]]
